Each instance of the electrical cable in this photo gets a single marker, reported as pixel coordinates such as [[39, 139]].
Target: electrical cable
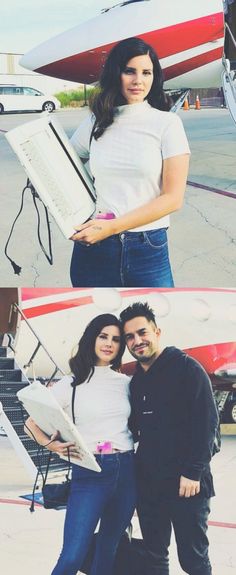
[[49, 255]]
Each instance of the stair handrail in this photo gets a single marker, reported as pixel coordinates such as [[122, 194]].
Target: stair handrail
[[39, 344], [230, 33]]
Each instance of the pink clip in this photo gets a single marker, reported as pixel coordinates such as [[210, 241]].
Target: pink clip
[[104, 447], [105, 216]]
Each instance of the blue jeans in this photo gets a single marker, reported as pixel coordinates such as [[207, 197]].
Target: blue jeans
[[109, 496], [130, 259]]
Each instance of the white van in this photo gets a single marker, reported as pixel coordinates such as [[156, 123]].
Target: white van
[[20, 99]]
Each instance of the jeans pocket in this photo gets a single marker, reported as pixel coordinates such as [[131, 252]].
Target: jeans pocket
[[156, 239]]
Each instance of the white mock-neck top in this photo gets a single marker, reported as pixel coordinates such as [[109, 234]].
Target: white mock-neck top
[[126, 161], [101, 408], [132, 109]]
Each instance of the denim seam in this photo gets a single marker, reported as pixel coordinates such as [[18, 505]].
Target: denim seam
[[121, 261]]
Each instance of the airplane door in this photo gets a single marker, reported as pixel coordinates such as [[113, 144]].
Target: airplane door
[[8, 317]]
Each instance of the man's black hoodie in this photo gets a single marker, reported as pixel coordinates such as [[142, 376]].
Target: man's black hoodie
[[174, 418]]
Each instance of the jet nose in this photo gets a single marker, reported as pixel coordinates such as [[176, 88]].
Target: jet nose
[[82, 67]]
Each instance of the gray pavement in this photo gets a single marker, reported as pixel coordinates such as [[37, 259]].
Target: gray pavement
[[202, 234], [30, 542]]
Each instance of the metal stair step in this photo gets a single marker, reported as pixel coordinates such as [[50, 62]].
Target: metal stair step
[[10, 387], [14, 414], [18, 427], [10, 375], [11, 381], [3, 351], [10, 401], [7, 363], [28, 443]]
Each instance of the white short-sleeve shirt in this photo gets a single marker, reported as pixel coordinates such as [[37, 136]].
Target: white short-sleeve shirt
[[101, 407], [126, 161]]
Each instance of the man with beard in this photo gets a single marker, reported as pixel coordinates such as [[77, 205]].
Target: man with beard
[[174, 418]]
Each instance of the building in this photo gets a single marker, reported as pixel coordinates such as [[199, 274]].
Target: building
[[12, 73]]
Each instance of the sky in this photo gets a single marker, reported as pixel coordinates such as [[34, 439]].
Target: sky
[[26, 23]]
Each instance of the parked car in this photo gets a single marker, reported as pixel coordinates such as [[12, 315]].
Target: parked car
[[22, 98]]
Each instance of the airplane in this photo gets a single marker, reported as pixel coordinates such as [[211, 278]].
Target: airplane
[[189, 38], [40, 329], [200, 321]]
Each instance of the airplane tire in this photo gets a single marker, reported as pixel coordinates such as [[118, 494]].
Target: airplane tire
[[1, 109]]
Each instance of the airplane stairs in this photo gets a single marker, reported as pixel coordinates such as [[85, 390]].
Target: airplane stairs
[[229, 79], [12, 417]]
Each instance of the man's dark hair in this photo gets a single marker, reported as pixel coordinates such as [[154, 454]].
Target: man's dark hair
[[137, 309]]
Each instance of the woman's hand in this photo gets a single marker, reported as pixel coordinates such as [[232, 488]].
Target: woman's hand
[[94, 231], [174, 176], [62, 447], [53, 443]]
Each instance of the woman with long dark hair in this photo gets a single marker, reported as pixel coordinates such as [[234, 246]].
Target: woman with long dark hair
[[138, 154], [101, 412]]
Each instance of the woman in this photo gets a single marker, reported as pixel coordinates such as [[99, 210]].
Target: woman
[[101, 410], [138, 156]]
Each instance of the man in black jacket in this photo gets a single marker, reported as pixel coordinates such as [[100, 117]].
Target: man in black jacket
[[174, 419]]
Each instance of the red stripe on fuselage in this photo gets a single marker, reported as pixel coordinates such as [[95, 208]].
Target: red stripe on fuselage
[[214, 356], [192, 64], [187, 35], [77, 301], [211, 357], [34, 293], [53, 307], [86, 66]]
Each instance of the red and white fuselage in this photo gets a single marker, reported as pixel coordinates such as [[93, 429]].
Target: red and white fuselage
[[187, 36], [202, 322]]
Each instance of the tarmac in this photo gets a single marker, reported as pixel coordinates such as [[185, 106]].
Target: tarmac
[[30, 542], [202, 234]]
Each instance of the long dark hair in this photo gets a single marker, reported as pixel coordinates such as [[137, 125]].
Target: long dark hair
[[109, 96], [83, 362]]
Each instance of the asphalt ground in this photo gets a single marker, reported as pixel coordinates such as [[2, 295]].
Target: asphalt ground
[[30, 542], [202, 235]]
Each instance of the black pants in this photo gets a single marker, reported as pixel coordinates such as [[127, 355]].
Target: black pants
[[188, 516]]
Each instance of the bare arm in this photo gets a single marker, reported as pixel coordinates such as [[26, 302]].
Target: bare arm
[[174, 179], [52, 443]]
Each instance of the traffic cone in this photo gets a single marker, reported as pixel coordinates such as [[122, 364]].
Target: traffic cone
[[186, 104], [197, 103]]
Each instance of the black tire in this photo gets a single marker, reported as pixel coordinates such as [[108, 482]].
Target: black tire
[[48, 106], [231, 412], [1, 109]]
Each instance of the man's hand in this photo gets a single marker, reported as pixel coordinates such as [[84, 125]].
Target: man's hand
[[188, 487]]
